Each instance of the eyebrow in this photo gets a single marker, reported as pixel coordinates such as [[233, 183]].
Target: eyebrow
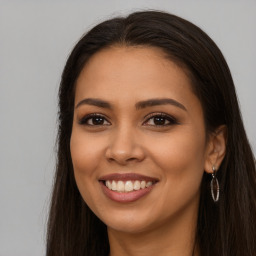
[[156, 102], [94, 102], [139, 105]]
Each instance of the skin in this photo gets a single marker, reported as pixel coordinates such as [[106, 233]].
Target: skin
[[128, 140]]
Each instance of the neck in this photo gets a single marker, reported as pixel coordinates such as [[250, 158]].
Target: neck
[[173, 237]]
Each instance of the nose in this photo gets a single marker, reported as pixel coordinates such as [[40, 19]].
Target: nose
[[125, 147]]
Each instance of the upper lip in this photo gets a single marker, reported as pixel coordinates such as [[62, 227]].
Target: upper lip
[[127, 176]]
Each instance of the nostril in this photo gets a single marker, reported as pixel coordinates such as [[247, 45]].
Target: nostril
[[123, 160], [124, 153], [131, 159]]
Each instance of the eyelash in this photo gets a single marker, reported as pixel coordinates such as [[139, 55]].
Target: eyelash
[[170, 119], [84, 120], [165, 117]]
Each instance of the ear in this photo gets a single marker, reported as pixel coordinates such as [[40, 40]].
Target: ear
[[216, 149]]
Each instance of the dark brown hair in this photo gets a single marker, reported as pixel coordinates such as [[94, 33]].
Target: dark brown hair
[[227, 228]]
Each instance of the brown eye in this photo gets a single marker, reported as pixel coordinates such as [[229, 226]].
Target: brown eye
[[94, 120], [160, 120]]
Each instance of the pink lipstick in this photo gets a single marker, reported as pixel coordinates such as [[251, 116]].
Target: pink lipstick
[[126, 187]]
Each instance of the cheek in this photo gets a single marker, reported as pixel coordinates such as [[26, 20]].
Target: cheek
[[180, 148], [181, 158], [85, 153]]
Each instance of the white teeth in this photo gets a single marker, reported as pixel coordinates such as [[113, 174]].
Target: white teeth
[[113, 185], [108, 184], [127, 186], [143, 184], [120, 186], [149, 183], [136, 185]]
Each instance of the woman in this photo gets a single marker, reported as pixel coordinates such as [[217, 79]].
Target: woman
[[153, 158]]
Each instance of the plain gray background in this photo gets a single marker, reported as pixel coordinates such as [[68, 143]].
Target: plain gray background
[[35, 40]]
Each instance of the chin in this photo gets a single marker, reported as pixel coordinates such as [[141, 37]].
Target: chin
[[129, 227], [128, 221]]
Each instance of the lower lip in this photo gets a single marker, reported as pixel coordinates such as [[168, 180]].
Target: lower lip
[[125, 197]]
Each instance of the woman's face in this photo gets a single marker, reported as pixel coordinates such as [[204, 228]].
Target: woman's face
[[138, 142]]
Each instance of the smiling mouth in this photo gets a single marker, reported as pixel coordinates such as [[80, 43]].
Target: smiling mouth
[[127, 187]]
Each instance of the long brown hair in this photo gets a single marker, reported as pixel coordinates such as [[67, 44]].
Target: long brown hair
[[227, 228]]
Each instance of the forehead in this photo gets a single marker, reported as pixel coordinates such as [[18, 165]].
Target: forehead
[[125, 69]]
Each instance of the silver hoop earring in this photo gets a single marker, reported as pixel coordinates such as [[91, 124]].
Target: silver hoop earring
[[215, 188]]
